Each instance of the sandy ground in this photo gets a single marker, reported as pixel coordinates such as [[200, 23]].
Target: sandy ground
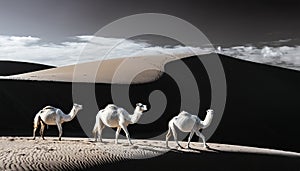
[[22, 153], [71, 153]]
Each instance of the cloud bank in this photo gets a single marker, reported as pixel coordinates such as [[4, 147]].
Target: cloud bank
[[282, 56], [88, 48], [80, 49]]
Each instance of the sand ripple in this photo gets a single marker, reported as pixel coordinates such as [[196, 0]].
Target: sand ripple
[[22, 153], [69, 154]]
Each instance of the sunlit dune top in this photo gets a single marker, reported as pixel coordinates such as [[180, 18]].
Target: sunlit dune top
[[130, 70]]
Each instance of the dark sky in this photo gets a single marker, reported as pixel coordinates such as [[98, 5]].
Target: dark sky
[[225, 22]]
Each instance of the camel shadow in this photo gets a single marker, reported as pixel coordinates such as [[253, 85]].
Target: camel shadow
[[207, 150], [150, 148], [98, 142], [193, 150]]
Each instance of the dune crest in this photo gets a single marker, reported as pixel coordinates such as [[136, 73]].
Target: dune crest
[[128, 70]]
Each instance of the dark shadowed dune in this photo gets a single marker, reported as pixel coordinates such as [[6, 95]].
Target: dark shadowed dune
[[262, 110], [207, 160], [12, 67]]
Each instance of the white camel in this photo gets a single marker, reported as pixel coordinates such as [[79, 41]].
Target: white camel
[[187, 122], [53, 116], [117, 117]]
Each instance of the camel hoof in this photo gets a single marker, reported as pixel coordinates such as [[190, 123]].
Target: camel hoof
[[179, 147]]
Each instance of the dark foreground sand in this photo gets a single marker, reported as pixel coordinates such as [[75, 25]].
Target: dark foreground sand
[[22, 153]]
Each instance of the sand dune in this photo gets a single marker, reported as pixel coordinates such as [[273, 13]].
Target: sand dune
[[12, 67], [22, 153], [260, 98], [120, 70]]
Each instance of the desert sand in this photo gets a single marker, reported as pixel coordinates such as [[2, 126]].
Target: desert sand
[[23, 153], [119, 70]]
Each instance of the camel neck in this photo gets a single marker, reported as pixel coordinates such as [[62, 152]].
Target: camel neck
[[72, 114], [207, 120], [136, 116]]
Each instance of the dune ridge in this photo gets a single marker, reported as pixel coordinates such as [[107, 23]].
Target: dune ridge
[[149, 68], [12, 67]]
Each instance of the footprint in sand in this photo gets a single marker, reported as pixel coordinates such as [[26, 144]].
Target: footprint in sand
[[134, 147]]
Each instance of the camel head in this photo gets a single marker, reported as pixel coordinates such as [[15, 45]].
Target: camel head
[[141, 107], [210, 111], [77, 106]]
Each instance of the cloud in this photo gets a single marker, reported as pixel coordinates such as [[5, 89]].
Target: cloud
[[86, 48], [15, 41], [80, 49], [282, 56]]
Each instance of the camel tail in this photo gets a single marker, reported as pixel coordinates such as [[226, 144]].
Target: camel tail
[[170, 126], [36, 120], [171, 123], [170, 131], [95, 129]]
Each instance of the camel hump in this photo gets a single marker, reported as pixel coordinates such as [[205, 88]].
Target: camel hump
[[111, 106], [48, 107], [122, 110], [184, 113]]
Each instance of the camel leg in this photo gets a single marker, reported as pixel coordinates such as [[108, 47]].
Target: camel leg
[[168, 136], [117, 134], [36, 122], [59, 126], [190, 138], [101, 126], [175, 135], [127, 133], [42, 130], [95, 131], [199, 134], [34, 130]]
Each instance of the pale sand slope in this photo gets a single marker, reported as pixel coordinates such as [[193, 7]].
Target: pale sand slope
[[120, 70], [22, 153]]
